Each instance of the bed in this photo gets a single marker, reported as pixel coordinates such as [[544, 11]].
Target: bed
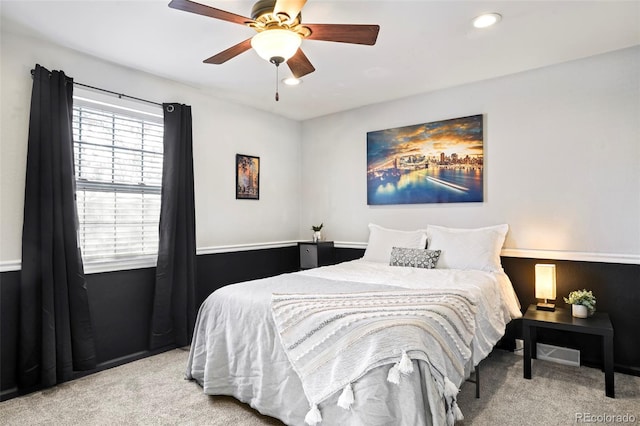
[[386, 339]]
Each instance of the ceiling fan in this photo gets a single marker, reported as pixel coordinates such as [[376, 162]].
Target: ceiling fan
[[280, 32]]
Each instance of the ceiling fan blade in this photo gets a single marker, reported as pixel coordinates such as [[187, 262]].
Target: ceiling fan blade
[[289, 7], [201, 9], [300, 65], [230, 53], [344, 33]]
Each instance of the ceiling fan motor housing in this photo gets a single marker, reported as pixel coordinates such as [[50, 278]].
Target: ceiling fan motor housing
[[262, 7], [262, 12]]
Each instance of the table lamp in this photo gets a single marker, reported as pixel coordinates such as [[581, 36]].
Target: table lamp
[[545, 286]]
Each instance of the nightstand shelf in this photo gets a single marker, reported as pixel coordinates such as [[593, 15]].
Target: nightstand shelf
[[315, 254], [561, 319]]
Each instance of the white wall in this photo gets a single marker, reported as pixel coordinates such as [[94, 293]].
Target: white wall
[[562, 155], [562, 161], [220, 130]]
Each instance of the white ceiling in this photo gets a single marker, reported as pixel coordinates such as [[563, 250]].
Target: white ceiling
[[422, 45]]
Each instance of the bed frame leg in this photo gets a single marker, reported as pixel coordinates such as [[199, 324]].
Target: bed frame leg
[[476, 379], [477, 374]]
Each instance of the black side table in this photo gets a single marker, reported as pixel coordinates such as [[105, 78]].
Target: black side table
[[561, 319], [314, 254]]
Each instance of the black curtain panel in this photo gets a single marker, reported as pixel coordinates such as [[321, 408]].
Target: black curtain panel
[[174, 307], [56, 336]]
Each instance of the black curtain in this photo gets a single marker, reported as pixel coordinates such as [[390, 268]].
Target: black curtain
[[174, 307], [56, 335]]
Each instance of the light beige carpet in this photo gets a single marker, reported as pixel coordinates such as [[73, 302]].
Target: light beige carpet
[[556, 394], [152, 391]]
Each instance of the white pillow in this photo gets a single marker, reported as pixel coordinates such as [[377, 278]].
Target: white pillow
[[382, 240], [477, 248]]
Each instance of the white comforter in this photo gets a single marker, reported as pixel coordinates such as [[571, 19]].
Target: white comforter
[[236, 350]]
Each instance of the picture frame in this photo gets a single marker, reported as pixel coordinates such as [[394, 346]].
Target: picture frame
[[247, 177], [435, 162]]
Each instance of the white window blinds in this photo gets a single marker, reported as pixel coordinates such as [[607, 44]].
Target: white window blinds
[[118, 166]]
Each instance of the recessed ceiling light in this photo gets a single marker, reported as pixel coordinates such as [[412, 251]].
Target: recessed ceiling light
[[487, 20], [292, 81]]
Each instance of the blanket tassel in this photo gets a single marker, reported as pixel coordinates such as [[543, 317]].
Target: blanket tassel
[[346, 397], [406, 366], [450, 390], [394, 375], [453, 412], [313, 417], [450, 418], [456, 411]]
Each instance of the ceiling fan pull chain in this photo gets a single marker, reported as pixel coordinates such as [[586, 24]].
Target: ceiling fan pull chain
[[277, 83], [276, 62]]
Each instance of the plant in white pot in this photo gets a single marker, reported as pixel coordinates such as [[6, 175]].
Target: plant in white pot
[[317, 234], [583, 303]]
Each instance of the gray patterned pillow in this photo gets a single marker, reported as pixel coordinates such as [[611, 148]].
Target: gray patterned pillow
[[416, 258]]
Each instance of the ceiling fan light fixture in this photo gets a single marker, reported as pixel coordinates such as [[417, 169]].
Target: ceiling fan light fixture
[[276, 43], [486, 20]]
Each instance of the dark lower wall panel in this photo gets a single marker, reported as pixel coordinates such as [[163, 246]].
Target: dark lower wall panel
[[346, 254], [121, 303], [220, 269], [9, 317], [617, 291]]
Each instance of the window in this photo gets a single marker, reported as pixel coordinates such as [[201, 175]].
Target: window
[[118, 166]]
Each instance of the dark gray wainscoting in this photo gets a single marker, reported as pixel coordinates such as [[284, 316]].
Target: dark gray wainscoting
[[9, 301], [617, 290], [220, 269], [121, 304]]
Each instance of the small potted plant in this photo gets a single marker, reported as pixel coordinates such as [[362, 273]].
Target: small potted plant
[[317, 235], [583, 303]]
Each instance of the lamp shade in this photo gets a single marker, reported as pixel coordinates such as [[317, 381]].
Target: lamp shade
[[545, 281], [276, 43]]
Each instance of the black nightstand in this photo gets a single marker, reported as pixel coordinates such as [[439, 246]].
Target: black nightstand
[[561, 319], [317, 254]]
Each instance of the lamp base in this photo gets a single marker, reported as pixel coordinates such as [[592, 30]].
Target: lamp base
[[545, 307]]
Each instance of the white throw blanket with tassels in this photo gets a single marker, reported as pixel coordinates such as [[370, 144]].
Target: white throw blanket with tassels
[[332, 340]]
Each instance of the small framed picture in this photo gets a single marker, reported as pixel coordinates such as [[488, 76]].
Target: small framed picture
[[247, 177]]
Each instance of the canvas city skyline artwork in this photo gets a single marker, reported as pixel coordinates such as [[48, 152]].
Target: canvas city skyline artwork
[[437, 162]]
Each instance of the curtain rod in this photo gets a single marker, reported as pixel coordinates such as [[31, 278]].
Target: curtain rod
[[119, 95]]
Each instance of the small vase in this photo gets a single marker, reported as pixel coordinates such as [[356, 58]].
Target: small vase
[[317, 236], [579, 311]]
